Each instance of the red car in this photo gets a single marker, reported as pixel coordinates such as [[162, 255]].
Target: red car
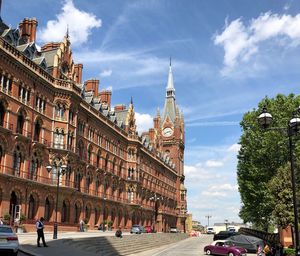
[[148, 229], [219, 247]]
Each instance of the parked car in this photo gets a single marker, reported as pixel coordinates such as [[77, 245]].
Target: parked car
[[219, 247], [9, 242], [174, 230], [148, 229], [250, 243], [136, 229], [210, 230], [222, 235]]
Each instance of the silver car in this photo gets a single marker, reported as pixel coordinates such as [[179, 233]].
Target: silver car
[[136, 229], [9, 242]]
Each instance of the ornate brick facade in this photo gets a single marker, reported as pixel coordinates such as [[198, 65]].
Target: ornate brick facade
[[48, 117]]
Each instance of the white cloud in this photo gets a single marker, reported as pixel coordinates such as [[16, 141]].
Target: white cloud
[[213, 194], [234, 148], [223, 187], [241, 42], [106, 73], [80, 24], [143, 121], [213, 163]]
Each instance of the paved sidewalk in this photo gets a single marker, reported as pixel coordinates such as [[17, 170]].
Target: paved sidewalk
[[28, 242]]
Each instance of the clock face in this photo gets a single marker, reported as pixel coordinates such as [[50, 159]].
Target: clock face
[[167, 132]]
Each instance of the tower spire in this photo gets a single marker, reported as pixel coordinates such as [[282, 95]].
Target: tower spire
[[170, 105], [67, 34]]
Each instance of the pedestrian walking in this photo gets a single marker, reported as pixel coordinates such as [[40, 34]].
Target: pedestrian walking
[[40, 232], [119, 232], [259, 251], [267, 250], [81, 225]]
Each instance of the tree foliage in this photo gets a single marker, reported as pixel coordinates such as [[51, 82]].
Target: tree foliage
[[262, 153], [281, 190]]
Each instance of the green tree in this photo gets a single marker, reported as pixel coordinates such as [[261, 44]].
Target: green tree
[[281, 189], [260, 156]]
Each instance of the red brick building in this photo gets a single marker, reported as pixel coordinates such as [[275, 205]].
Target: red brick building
[[49, 117]]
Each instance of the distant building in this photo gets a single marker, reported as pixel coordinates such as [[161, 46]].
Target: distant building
[[49, 117], [196, 225], [222, 226]]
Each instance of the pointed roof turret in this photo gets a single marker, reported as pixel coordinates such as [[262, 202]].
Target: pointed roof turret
[[170, 86], [170, 105]]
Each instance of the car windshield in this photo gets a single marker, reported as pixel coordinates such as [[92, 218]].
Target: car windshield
[[6, 230]]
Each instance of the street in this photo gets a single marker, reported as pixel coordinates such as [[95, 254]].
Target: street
[[190, 246]]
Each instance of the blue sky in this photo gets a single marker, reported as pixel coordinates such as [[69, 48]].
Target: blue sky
[[226, 56]]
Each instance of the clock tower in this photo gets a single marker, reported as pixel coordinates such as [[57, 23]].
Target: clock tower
[[172, 127]]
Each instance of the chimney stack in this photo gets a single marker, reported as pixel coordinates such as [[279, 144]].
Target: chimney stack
[[105, 96], [78, 72], [92, 85], [120, 107], [27, 29]]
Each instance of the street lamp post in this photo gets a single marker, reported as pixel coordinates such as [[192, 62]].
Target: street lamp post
[[155, 198], [226, 224], [265, 119], [208, 217], [60, 170]]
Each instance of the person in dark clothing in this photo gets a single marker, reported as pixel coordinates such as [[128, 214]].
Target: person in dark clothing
[[119, 233], [40, 232]]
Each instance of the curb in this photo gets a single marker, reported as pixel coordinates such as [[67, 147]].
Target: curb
[[28, 252]]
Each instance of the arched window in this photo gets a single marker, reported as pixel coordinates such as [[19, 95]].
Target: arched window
[[89, 155], [60, 110], [97, 185], [98, 159], [65, 212], [47, 214], [97, 215], [20, 122], [87, 212], [37, 130], [34, 167], [88, 182], [130, 195], [77, 180], [81, 150], [106, 164], [59, 139], [31, 209], [17, 159], [68, 176], [2, 113], [77, 213], [114, 165]]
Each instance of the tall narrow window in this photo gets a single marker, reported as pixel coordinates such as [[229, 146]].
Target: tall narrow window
[[31, 209], [2, 114], [47, 210], [20, 123], [17, 162], [37, 130]]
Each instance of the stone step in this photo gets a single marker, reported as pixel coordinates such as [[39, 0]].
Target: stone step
[[112, 246]]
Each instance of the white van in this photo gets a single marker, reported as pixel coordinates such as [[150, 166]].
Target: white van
[[210, 230]]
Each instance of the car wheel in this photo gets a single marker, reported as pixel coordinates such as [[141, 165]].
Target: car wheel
[[208, 252], [231, 254]]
